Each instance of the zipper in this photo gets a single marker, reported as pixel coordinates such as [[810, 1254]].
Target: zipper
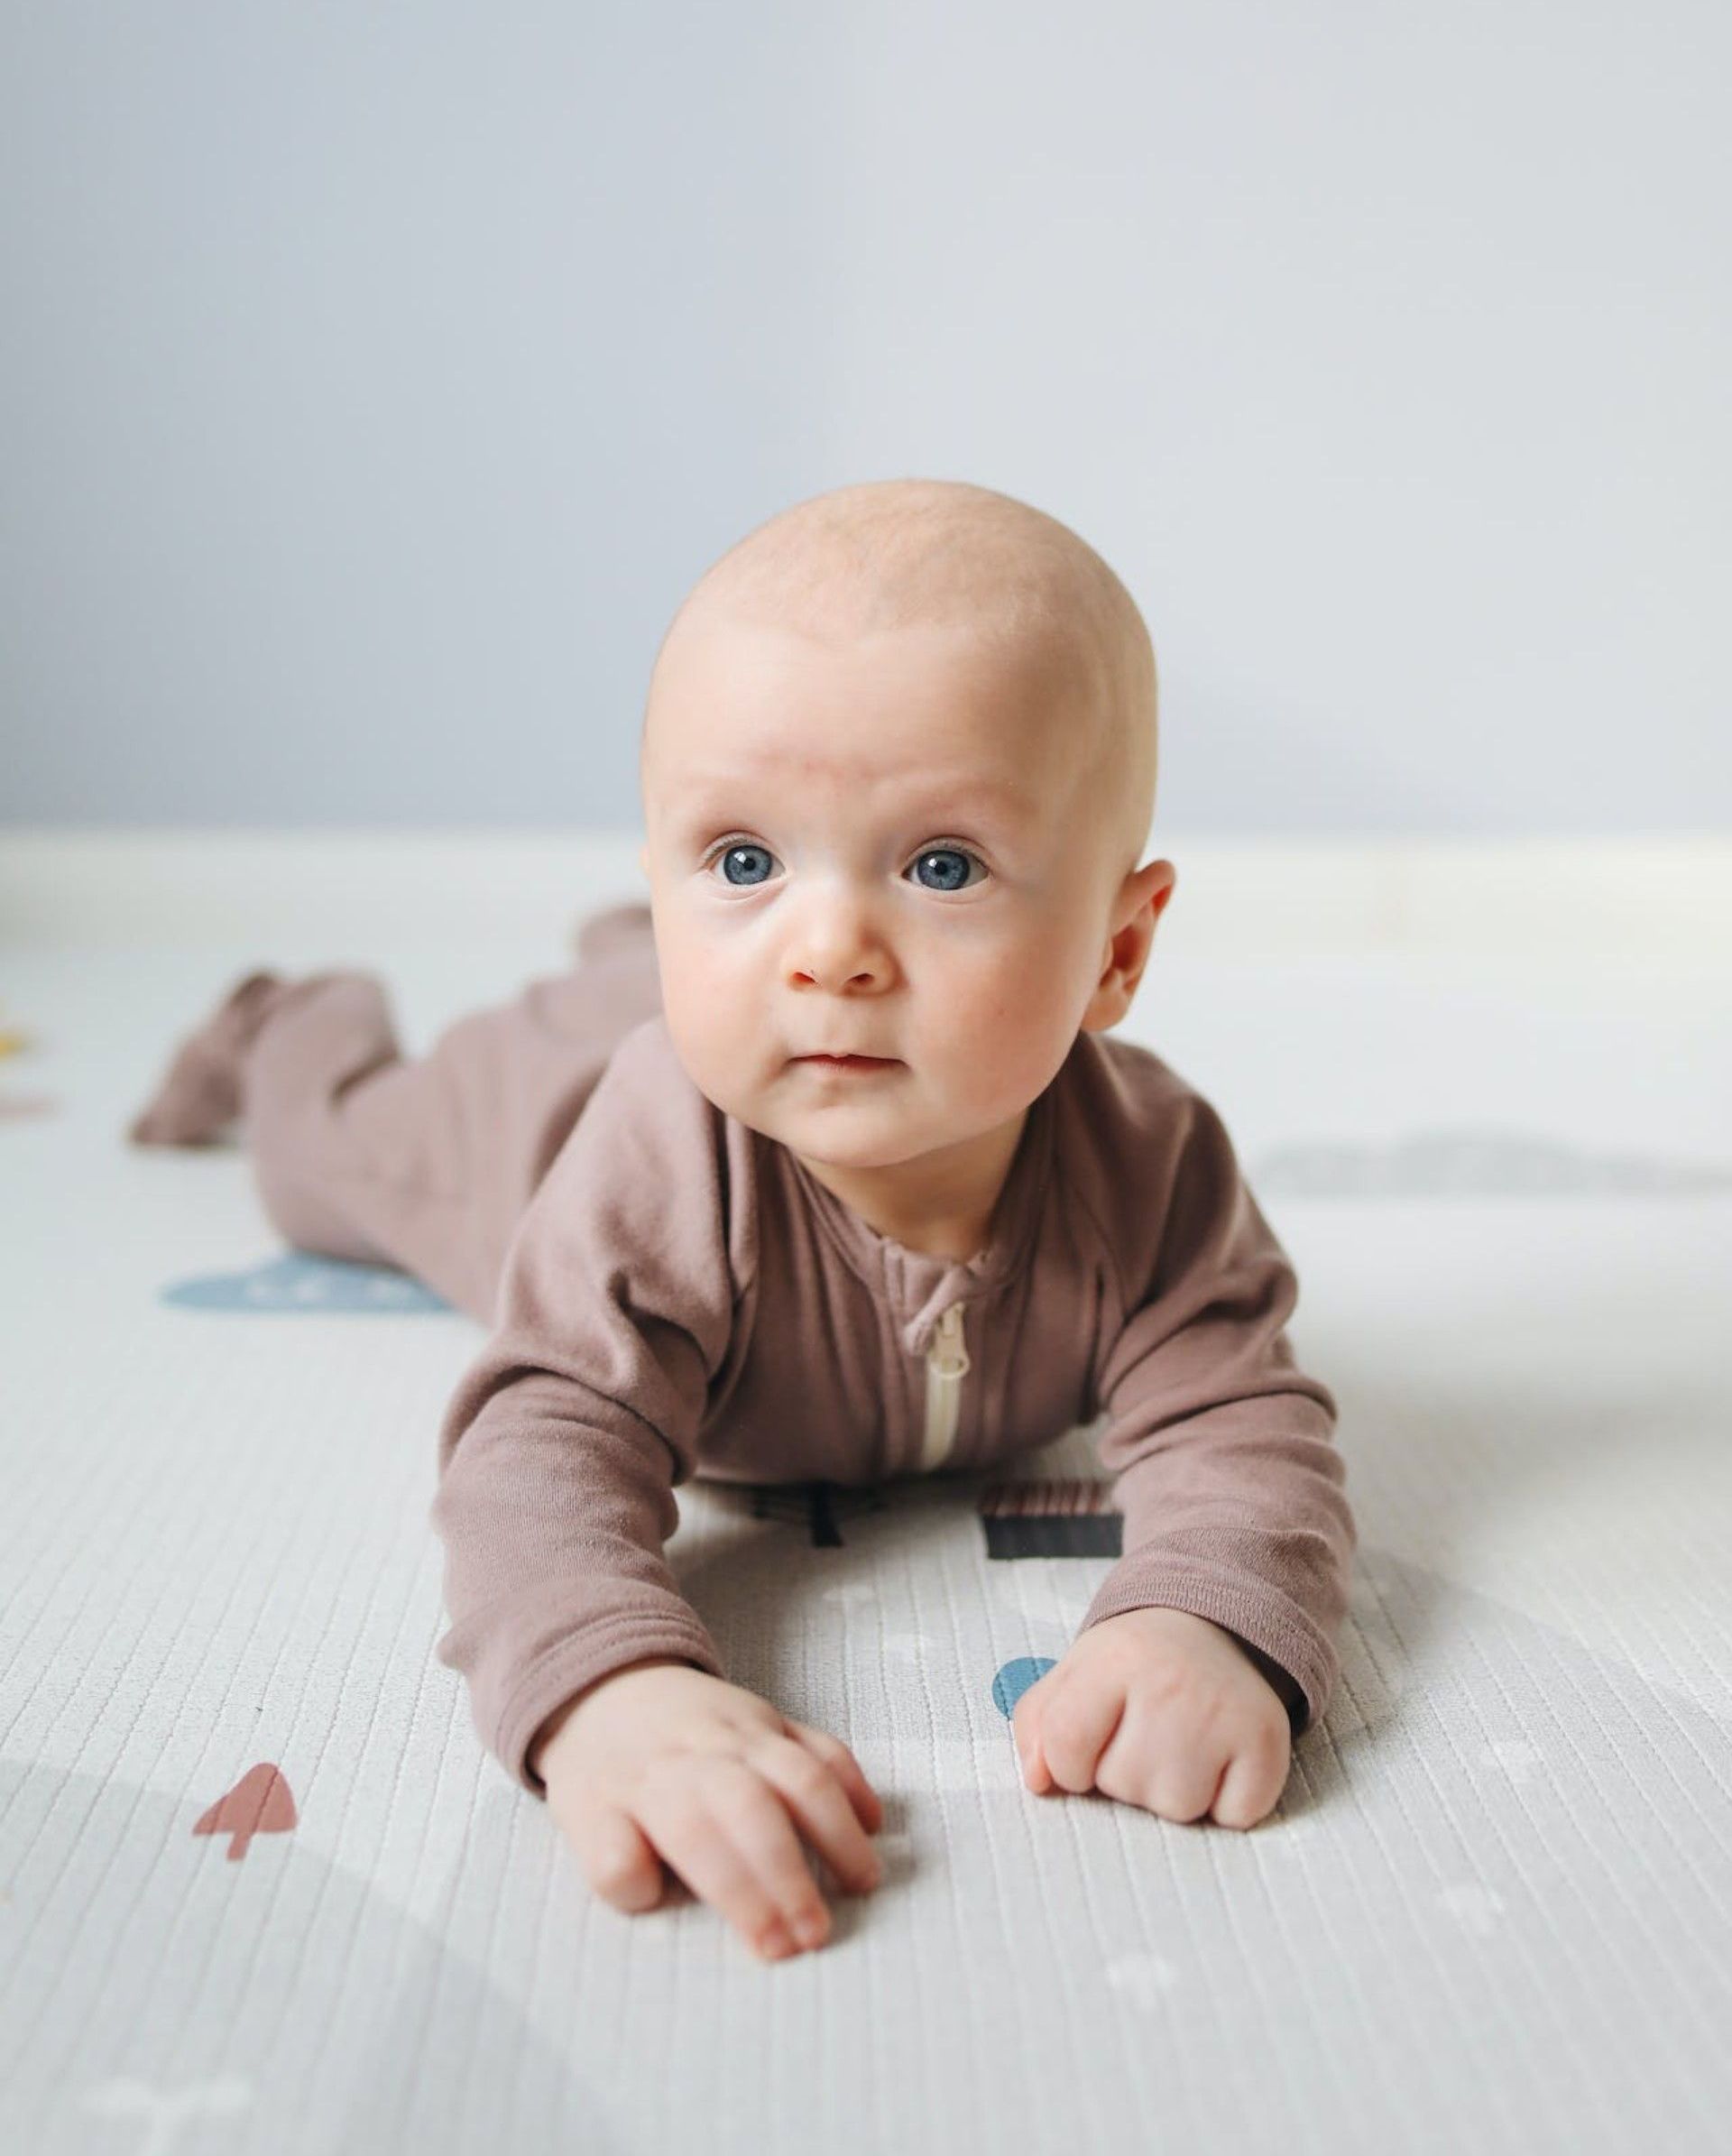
[[947, 1364]]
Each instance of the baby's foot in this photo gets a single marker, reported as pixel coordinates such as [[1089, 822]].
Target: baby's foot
[[200, 1095]]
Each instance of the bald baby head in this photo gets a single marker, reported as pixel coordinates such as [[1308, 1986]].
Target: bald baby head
[[885, 556]]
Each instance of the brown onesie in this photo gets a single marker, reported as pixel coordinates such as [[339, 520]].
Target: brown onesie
[[672, 1294]]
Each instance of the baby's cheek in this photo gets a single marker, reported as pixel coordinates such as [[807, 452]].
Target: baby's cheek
[[999, 1041], [720, 1048]]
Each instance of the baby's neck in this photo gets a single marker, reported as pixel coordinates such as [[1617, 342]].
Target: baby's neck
[[942, 1203]]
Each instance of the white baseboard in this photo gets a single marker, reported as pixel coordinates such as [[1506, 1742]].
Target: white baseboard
[[1657, 898]]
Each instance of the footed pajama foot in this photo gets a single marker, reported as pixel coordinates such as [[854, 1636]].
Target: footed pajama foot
[[200, 1093]]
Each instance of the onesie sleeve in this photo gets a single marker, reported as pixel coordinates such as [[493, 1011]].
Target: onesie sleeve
[[1231, 1488], [561, 1447]]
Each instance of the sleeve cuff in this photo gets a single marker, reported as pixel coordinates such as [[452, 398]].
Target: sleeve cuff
[[1300, 1658], [572, 1665]]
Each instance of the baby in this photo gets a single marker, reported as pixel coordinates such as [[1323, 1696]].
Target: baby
[[822, 1165]]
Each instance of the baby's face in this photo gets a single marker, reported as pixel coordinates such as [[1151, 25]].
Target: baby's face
[[889, 847]]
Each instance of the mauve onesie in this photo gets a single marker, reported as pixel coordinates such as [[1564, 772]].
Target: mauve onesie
[[671, 1294]]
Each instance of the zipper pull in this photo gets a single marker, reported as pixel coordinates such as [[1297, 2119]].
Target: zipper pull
[[947, 1354], [947, 1363]]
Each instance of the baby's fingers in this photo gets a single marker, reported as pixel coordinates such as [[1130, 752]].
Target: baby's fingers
[[831, 1752], [1078, 1725], [733, 1845], [823, 1808], [617, 1859], [1252, 1786]]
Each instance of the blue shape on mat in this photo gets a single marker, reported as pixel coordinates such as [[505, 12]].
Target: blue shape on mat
[[300, 1283], [1014, 1678]]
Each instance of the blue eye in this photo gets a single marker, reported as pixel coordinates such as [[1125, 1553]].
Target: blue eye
[[953, 879], [743, 849]]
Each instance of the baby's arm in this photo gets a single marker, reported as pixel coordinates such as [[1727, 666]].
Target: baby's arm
[[1235, 1519], [563, 1442], [558, 1456], [598, 1679]]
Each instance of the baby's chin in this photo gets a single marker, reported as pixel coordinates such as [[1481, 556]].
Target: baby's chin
[[845, 1132], [850, 1138]]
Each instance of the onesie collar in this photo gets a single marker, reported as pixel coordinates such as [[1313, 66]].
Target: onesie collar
[[917, 1285]]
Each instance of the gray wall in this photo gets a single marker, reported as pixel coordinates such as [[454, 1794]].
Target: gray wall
[[376, 380]]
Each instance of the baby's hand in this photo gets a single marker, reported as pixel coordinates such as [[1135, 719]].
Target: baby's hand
[[1162, 1710], [660, 1762]]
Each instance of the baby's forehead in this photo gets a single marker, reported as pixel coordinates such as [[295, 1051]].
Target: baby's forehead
[[960, 782], [975, 685], [956, 719], [951, 718]]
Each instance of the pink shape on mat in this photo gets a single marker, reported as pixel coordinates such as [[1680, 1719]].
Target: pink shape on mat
[[19, 1105]]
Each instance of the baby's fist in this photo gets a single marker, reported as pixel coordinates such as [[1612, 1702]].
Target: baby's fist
[[1162, 1710]]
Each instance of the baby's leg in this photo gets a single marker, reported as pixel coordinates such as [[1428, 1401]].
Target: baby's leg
[[428, 1164], [348, 1154], [354, 1154]]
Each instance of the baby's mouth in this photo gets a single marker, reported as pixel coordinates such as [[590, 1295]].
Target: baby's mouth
[[849, 1062]]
